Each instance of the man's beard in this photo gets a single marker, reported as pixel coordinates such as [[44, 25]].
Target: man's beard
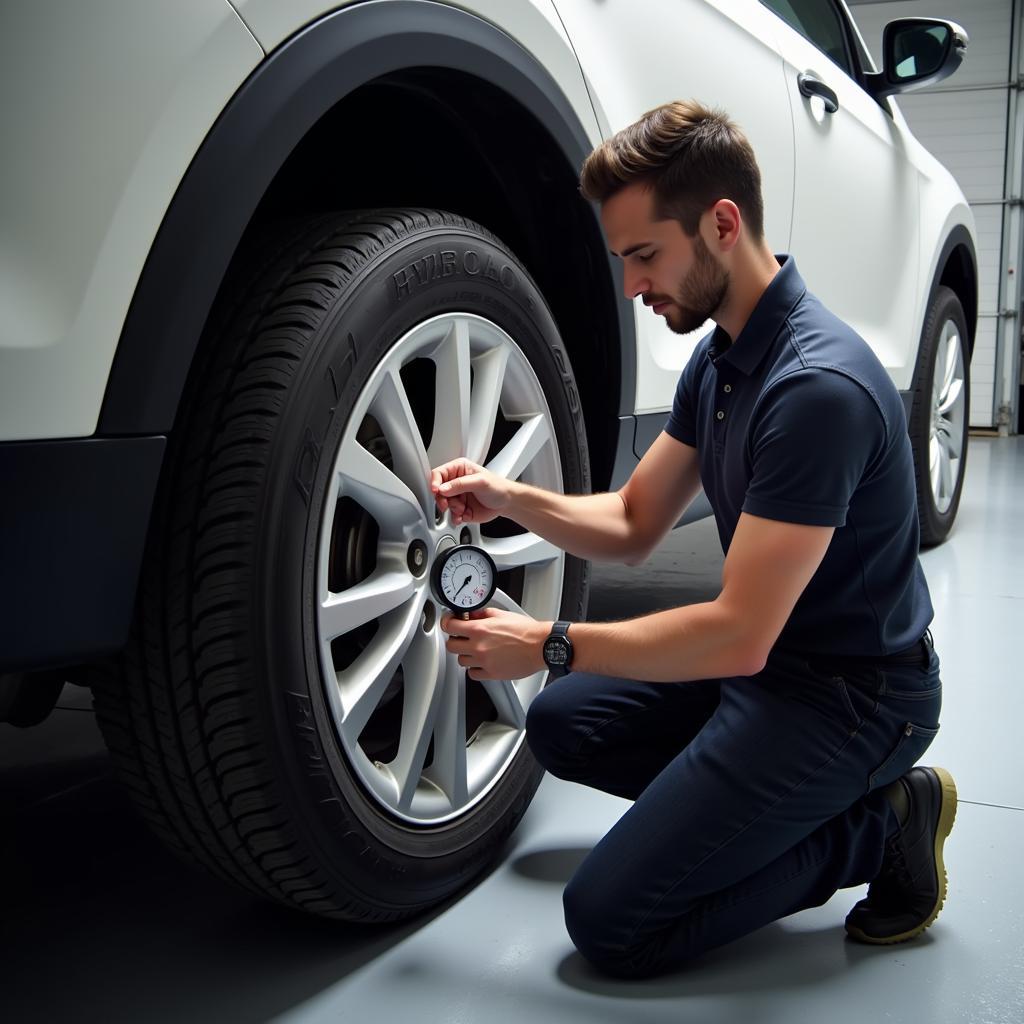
[[701, 292]]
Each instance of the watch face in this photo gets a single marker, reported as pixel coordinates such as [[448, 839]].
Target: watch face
[[556, 651]]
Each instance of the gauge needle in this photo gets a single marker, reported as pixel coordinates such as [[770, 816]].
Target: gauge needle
[[464, 582]]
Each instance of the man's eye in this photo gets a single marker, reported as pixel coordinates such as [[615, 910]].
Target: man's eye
[[647, 258]]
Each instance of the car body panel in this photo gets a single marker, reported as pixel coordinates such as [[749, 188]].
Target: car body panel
[[632, 55], [95, 149], [873, 282]]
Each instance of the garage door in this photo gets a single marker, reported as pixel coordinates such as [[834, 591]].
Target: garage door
[[963, 121]]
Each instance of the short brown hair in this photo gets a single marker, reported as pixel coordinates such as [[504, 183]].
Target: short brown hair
[[690, 155]]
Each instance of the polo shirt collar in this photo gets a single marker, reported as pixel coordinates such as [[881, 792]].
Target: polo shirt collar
[[764, 323]]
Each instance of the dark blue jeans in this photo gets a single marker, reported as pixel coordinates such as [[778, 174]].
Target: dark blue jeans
[[753, 797]]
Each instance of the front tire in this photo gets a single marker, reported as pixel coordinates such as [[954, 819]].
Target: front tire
[[940, 415], [286, 714]]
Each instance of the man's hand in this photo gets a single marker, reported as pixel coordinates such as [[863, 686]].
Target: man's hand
[[496, 644], [474, 494]]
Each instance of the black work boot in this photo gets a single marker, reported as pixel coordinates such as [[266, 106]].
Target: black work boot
[[910, 889]]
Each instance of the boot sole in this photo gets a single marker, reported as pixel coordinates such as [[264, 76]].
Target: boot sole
[[947, 815]]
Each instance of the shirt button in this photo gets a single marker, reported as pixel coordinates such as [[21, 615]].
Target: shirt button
[[720, 415], [727, 388]]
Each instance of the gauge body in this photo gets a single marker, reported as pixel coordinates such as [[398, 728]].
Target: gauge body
[[464, 578]]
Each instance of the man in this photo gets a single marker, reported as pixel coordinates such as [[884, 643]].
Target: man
[[766, 737]]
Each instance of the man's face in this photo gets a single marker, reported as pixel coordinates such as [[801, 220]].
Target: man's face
[[676, 275]]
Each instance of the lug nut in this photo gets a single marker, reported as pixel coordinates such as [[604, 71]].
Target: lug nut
[[417, 558]]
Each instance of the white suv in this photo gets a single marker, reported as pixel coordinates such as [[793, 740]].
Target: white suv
[[264, 264]]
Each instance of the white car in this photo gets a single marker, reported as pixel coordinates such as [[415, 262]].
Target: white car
[[262, 265]]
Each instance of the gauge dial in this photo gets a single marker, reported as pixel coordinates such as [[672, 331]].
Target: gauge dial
[[464, 578]]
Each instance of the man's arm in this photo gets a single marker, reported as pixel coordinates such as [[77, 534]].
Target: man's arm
[[621, 526], [768, 566]]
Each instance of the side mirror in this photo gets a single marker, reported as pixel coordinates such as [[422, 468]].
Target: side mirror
[[917, 52]]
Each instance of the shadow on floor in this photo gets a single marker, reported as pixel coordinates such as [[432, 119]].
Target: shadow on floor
[[101, 923], [776, 957], [773, 959], [557, 865]]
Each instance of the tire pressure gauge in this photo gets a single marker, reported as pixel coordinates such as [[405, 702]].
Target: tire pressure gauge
[[464, 578]]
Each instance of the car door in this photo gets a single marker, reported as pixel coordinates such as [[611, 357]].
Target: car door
[[855, 214], [638, 54]]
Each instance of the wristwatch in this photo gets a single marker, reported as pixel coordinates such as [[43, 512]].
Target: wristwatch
[[558, 649]]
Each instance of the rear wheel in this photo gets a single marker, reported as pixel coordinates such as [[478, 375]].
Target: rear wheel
[[286, 714], [939, 416]]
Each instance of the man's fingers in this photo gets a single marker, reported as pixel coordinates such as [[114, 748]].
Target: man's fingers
[[460, 485]]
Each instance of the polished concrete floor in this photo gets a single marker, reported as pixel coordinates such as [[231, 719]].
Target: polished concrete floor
[[98, 923]]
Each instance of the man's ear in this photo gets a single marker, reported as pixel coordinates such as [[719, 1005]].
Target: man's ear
[[724, 224]]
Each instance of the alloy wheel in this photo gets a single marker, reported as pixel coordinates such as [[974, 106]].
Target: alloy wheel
[[427, 743], [945, 453]]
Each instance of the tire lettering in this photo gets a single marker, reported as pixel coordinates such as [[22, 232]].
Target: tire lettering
[[305, 725], [444, 263], [305, 467]]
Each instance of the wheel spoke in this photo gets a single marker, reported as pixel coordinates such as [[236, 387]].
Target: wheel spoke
[[503, 601], [945, 475], [935, 463], [364, 683], [505, 693], [380, 593], [519, 452], [507, 702], [519, 550], [951, 439], [393, 412], [952, 357], [940, 471], [422, 667], [951, 397], [449, 770], [366, 479], [451, 396], [489, 372]]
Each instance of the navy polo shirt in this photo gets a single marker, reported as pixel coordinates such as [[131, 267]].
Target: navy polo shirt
[[797, 420]]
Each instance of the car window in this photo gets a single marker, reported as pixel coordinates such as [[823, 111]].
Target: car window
[[817, 21]]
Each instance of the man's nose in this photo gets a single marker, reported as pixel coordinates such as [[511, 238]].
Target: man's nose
[[634, 284]]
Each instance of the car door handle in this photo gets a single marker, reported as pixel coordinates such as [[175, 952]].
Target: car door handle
[[809, 85]]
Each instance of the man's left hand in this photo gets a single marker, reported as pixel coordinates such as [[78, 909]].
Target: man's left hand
[[497, 644]]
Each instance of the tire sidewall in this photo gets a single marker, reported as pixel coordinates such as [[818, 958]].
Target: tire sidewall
[[935, 525], [414, 278]]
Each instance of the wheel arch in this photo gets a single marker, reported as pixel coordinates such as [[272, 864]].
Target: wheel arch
[[958, 270], [515, 172]]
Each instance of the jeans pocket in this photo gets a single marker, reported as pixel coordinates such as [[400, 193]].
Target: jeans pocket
[[913, 742], [842, 695]]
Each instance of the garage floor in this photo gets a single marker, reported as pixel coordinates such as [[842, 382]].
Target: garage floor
[[98, 923]]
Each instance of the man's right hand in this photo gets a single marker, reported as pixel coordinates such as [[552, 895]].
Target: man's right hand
[[474, 494]]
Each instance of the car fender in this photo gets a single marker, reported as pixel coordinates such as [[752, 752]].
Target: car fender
[[105, 106], [300, 80]]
